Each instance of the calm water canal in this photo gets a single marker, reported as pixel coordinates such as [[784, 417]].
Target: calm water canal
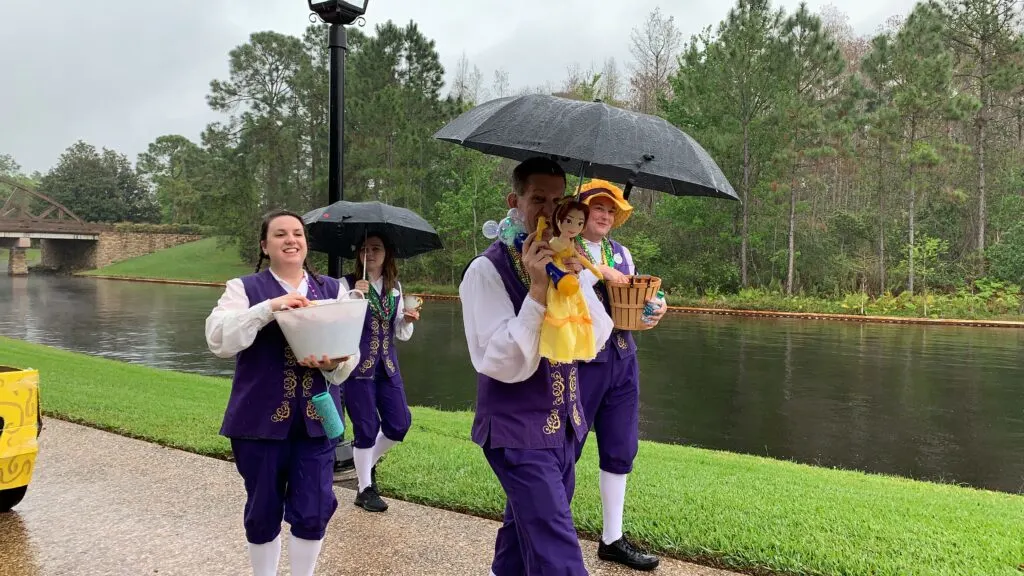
[[937, 403]]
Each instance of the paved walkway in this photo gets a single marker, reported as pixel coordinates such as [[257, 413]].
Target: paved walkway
[[102, 504]]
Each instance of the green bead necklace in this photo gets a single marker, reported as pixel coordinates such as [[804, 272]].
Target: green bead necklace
[[606, 251], [383, 307]]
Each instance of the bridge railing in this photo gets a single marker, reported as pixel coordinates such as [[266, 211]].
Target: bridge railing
[[52, 226], [25, 209]]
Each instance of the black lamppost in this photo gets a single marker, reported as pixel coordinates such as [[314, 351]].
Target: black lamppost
[[338, 14]]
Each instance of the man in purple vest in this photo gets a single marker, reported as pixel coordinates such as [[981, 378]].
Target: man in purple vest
[[529, 418], [611, 381]]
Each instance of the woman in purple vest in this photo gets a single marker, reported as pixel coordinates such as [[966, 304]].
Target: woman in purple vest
[[281, 451], [374, 393], [610, 383]]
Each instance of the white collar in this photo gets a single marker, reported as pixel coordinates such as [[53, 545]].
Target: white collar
[[303, 287], [378, 283]]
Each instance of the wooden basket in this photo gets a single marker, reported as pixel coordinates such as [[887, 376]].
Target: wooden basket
[[628, 298]]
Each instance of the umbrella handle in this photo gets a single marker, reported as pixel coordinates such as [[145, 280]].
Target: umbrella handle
[[629, 181], [360, 292], [579, 185]]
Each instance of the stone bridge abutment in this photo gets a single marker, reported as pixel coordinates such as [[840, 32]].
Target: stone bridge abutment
[[109, 247]]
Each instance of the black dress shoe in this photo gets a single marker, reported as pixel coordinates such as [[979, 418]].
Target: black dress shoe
[[370, 501], [624, 552]]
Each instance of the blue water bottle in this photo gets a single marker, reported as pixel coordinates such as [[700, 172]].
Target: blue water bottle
[[334, 426], [651, 305]]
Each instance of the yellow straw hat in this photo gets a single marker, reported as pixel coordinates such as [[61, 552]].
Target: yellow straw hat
[[596, 188]]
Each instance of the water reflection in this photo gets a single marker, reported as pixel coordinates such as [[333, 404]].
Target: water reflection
[[938, 403], [931, 402]]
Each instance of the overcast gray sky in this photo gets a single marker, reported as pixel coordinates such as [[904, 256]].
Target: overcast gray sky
[[118, 74]]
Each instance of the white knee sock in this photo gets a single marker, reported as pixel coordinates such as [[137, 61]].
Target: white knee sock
[[613, 500], [363, 459], [383, 445], [303, 555], [264, 557]]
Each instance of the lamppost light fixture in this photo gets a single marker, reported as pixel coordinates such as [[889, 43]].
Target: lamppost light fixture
[[338, 11]]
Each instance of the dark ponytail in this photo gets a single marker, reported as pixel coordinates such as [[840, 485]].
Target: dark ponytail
[[309, 270]]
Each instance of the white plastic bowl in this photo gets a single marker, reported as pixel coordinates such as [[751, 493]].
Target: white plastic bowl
[[331, 328]]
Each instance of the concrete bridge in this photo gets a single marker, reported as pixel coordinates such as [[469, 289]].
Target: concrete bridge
[[67, 242]]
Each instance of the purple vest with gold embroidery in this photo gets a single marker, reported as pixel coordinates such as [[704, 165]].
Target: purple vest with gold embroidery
[[537, 412], [377, 343], [620, 340], [270, 389]]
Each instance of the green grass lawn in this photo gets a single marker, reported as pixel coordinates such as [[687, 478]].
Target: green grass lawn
[[200, 261], [32, 255], [743, 512], [203, 261]]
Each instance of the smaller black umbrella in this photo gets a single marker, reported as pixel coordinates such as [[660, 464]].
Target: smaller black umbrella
[[339, 228]]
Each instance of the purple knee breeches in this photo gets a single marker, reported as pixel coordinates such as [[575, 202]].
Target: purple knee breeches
[[538, 536], [286, 479], [610, 392], [377, 404]]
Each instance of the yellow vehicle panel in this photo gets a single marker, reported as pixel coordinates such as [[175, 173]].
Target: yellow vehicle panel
[[19, 408]]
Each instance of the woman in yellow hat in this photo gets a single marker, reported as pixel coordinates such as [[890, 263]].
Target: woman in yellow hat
[[610, 383]]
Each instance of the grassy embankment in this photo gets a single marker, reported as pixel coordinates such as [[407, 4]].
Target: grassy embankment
[[201, 261], [744, 512], [32, 256], [205, 261]]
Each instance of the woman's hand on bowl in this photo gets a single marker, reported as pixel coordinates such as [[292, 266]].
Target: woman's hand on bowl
[[293, 300], [324, 363], [411, 315]]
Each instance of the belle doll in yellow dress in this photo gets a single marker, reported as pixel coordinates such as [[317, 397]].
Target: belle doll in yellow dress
[[567, 333]]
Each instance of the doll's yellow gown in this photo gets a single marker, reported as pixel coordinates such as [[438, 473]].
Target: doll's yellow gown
[[567, 333]]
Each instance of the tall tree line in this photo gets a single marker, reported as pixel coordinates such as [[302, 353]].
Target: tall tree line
[[857, 156], [876, 164]]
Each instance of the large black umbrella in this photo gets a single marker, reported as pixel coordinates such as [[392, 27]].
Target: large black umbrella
[[339, 228], [592, 139]]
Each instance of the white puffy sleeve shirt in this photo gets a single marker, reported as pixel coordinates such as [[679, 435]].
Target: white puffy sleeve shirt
[[506, 346]]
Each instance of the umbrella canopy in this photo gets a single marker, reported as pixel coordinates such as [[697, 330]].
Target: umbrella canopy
[[339, 228], [592, 139]]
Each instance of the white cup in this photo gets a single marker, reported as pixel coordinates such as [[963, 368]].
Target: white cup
[[413, 302]]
